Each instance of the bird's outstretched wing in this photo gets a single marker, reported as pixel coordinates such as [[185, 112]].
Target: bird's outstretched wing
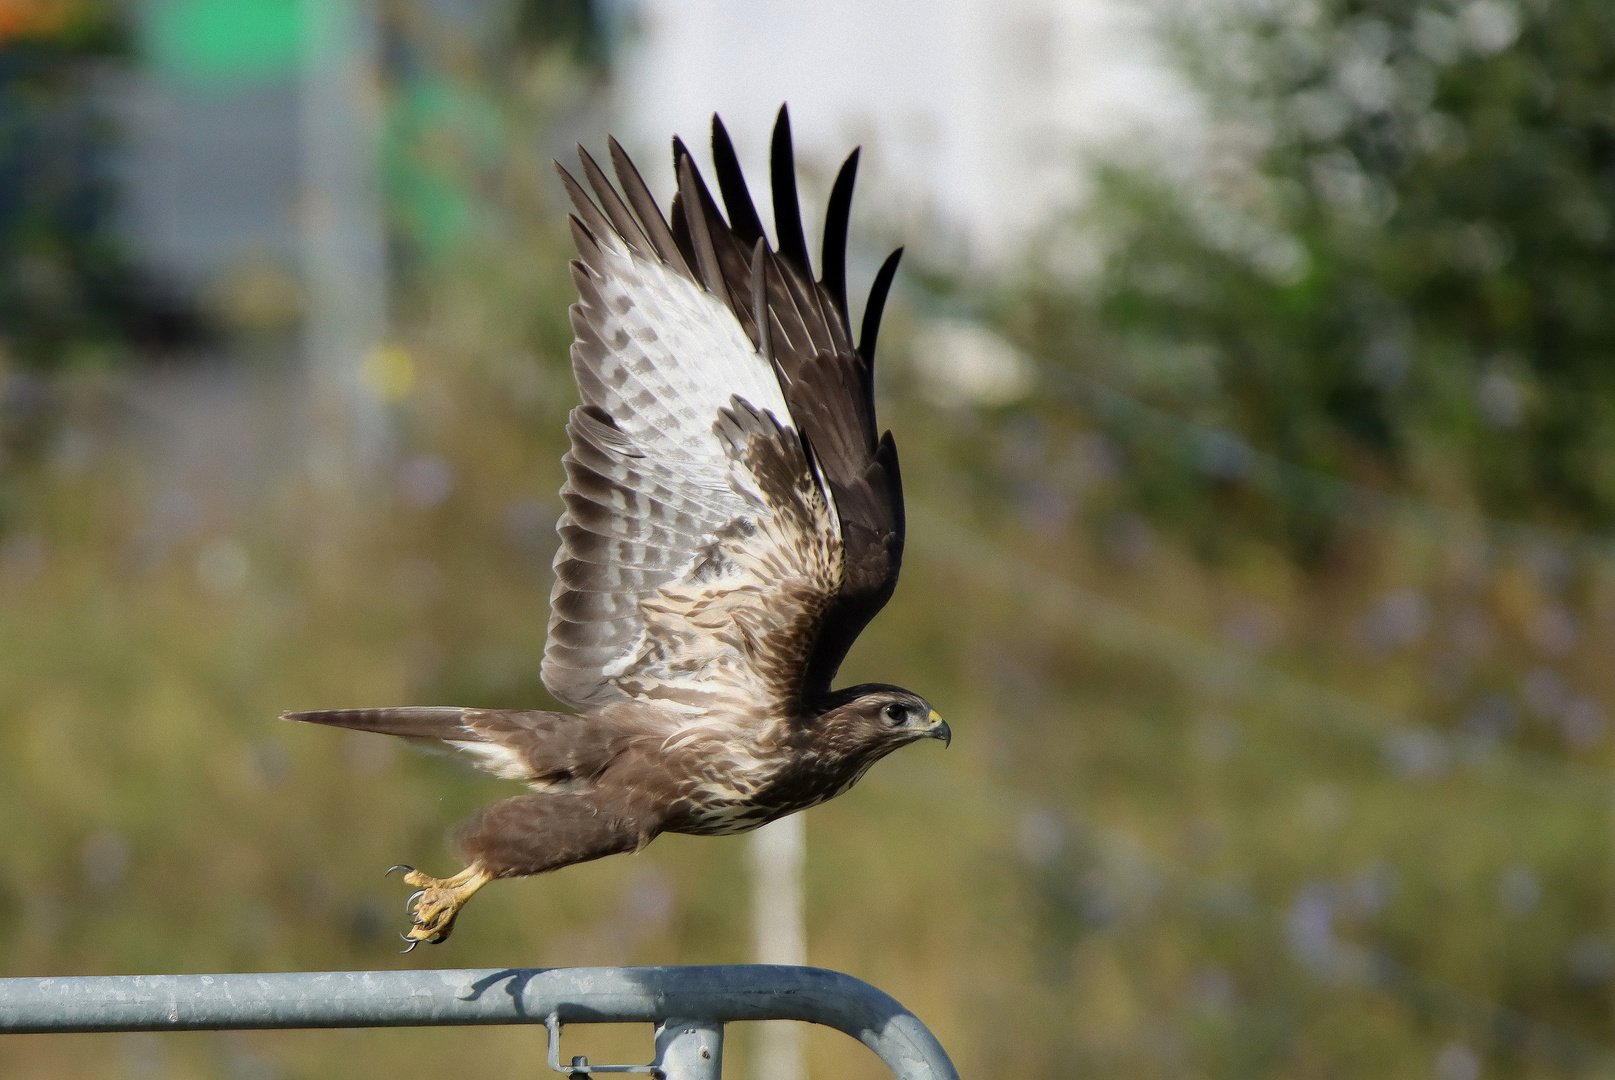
[[732, 520]]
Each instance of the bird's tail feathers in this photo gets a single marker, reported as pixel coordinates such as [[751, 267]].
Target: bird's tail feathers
[[409, 722]]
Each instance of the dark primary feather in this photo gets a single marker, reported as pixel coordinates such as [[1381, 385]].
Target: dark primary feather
[[876, 307], [692, 190], [829, 384], [787, 210], [743, 220], [837, 217], [733, 248]]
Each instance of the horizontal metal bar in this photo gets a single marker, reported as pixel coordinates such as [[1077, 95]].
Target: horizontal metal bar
[[332, 999]]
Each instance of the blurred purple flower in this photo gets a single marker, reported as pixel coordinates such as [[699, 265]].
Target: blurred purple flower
[[1253, 627], [1128, 538], [1495, 717], [1416, 753], [1040, 836], [1519, 890], [1553, 630], [1457, 1062], [1582, 723], [1400, 618], [1545, 693], [425, 481], [1310, 928]]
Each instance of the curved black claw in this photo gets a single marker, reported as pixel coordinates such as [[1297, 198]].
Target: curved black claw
[[409, 905], [412, 943], [405, 867]]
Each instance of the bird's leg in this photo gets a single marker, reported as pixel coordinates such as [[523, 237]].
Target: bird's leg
[[433, 908], [526, 834]]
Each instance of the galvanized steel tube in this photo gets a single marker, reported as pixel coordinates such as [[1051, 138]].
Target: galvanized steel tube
[[330, 999]]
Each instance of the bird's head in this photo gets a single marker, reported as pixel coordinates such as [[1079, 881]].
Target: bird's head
[[876, 719]]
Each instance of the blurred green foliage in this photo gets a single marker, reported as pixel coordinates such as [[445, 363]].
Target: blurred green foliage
[[576, 28], [1399, 267], [66, 292]]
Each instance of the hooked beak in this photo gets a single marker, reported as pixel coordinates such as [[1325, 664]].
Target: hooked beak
[[940, 729]]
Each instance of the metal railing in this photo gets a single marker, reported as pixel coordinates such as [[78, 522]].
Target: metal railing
[[688, 1005]]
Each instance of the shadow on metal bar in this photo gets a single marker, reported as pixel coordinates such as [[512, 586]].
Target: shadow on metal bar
[[688, 1005]]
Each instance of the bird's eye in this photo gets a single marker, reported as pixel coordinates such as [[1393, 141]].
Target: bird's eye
[[896, 713]]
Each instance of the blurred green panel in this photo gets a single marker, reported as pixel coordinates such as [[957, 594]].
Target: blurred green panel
[[442, 141], [223, 42]]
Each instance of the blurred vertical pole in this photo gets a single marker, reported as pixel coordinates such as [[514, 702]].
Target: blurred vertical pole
[[344, 237], [779, 934]]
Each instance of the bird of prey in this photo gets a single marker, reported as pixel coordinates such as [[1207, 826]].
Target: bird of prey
[[733, 519]]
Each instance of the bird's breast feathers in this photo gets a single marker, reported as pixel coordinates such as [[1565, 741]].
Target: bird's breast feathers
[[737, 775]]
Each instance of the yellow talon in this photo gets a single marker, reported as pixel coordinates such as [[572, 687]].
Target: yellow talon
[[432, 910]]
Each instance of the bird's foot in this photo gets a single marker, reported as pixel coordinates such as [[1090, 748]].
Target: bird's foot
[[432, 910]]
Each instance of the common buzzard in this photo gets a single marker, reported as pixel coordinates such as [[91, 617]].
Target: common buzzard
[[733, 520]]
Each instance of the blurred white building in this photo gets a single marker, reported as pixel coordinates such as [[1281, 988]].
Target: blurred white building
[[972, 113]]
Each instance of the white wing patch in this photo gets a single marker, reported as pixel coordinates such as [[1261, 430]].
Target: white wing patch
[[675, 355], [698, 546]]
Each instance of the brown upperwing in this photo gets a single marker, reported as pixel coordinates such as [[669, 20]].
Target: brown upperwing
[[828, 381]]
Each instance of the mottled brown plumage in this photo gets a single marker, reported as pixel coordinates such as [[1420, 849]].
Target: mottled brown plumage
[[732, 521]]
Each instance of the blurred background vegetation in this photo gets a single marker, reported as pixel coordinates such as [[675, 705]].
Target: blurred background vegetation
[[1259, 557]]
